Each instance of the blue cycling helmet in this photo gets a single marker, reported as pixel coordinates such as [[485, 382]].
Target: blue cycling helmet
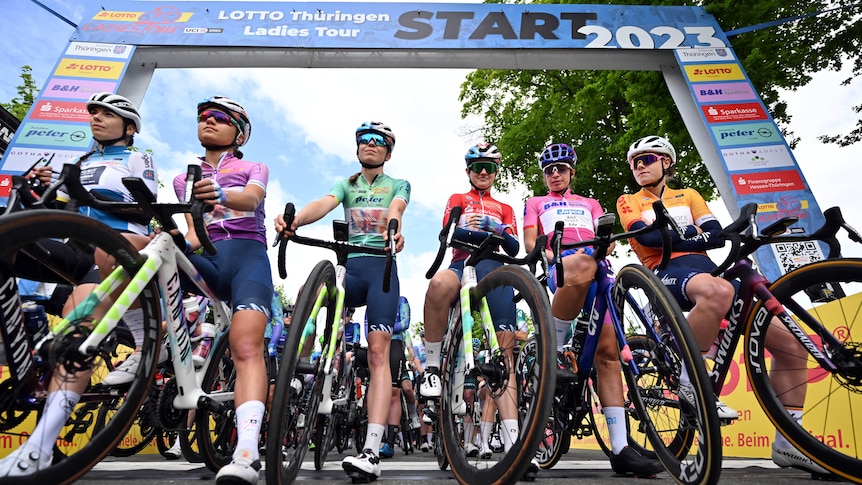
[[377, 127], [483, 151], [558, 153]]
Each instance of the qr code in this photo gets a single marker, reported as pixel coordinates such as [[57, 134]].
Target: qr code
[[792, 255]]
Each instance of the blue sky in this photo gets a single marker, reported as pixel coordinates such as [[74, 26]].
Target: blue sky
[[307, 139]]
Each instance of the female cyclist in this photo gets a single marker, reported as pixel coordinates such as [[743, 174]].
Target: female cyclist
[[239, 272], [580, 214], [370, 199], [707, 298], [114, 120]]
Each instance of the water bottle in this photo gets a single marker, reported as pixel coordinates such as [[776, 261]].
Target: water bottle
[[36, 320], [713, 350], [202, 349]]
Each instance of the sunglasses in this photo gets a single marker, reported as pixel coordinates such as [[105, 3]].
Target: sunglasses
[[552, 169], [488, 167], [367, 138], [218, 116], [646, 159]]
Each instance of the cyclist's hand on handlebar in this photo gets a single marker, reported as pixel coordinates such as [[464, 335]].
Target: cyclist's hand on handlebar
[[41, 173], [281, 226], [209, 191], [399, 241]]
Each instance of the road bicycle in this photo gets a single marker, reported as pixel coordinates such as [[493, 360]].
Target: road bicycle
[[299, 410], [532, 390], [80, 342], [638, 303], [820, 304]]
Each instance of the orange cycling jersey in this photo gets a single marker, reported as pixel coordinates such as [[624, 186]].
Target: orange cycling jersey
[[686, 206]]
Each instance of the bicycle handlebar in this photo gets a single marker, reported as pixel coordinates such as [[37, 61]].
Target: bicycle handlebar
[[745, 238], [604, 237], [485, 250], [144, 203], [341, 248]]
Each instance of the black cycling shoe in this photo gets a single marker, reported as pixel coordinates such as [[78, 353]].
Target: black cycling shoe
[[630, 462]]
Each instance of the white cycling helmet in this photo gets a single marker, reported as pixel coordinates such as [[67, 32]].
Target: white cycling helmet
[[652, 144], [233, 109], [118, 104]]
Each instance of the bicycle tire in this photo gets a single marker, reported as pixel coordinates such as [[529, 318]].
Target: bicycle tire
[[511, 465], [216, 429], [23, 231], [189, 442], [165, 439], [284, 454], [328, 424], [833, 400], [653, 389], [549, 451], [641, 348]]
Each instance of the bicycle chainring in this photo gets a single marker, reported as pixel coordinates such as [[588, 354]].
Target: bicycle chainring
[[170, 418]]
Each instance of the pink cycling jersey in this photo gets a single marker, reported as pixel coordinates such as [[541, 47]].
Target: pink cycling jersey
[[579, 214]]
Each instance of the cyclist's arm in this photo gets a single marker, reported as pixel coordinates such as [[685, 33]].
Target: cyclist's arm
[[702, 238], [315, 211], [530, 235]]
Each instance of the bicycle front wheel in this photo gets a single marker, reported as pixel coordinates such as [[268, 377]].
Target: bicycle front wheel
[[505, 397], [822, 296], [299, 385], [671, 415], [27, 251]]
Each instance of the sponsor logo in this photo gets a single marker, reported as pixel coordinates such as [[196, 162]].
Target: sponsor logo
[[723, 92], [159, 15], [723, 113], [714, 72], [53, 110], [77, 88], [760, 183], [769, 156], [20, 159], [707, 54], [94, 49], [746, 134], [89, 68], [54, 134], [203, 30]]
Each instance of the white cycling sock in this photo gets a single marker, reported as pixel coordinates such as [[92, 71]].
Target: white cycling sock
[[509, 432], [780, 440], [615, 418], [373, 437], [432, 354], [249, 417], [562, 327], [58, 408]]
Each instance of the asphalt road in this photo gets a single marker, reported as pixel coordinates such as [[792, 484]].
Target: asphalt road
[[578, 467]]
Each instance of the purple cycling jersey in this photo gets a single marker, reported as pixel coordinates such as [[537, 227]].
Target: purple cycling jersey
[[232, 174]]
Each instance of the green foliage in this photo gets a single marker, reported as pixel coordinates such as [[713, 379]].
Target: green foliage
[[27, 93], [600, 113], [285, 300]]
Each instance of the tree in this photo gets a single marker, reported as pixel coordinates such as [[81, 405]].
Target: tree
[[602, 112], [27, 93]]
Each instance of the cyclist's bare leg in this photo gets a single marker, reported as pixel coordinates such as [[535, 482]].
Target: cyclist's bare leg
[[380, 385], [608, 369], [789, 371], [442, 289], [579, 271], [712, 297], [507, 404], [246, 351]]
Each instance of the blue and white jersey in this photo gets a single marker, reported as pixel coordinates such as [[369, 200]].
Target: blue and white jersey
[[102, 174]]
